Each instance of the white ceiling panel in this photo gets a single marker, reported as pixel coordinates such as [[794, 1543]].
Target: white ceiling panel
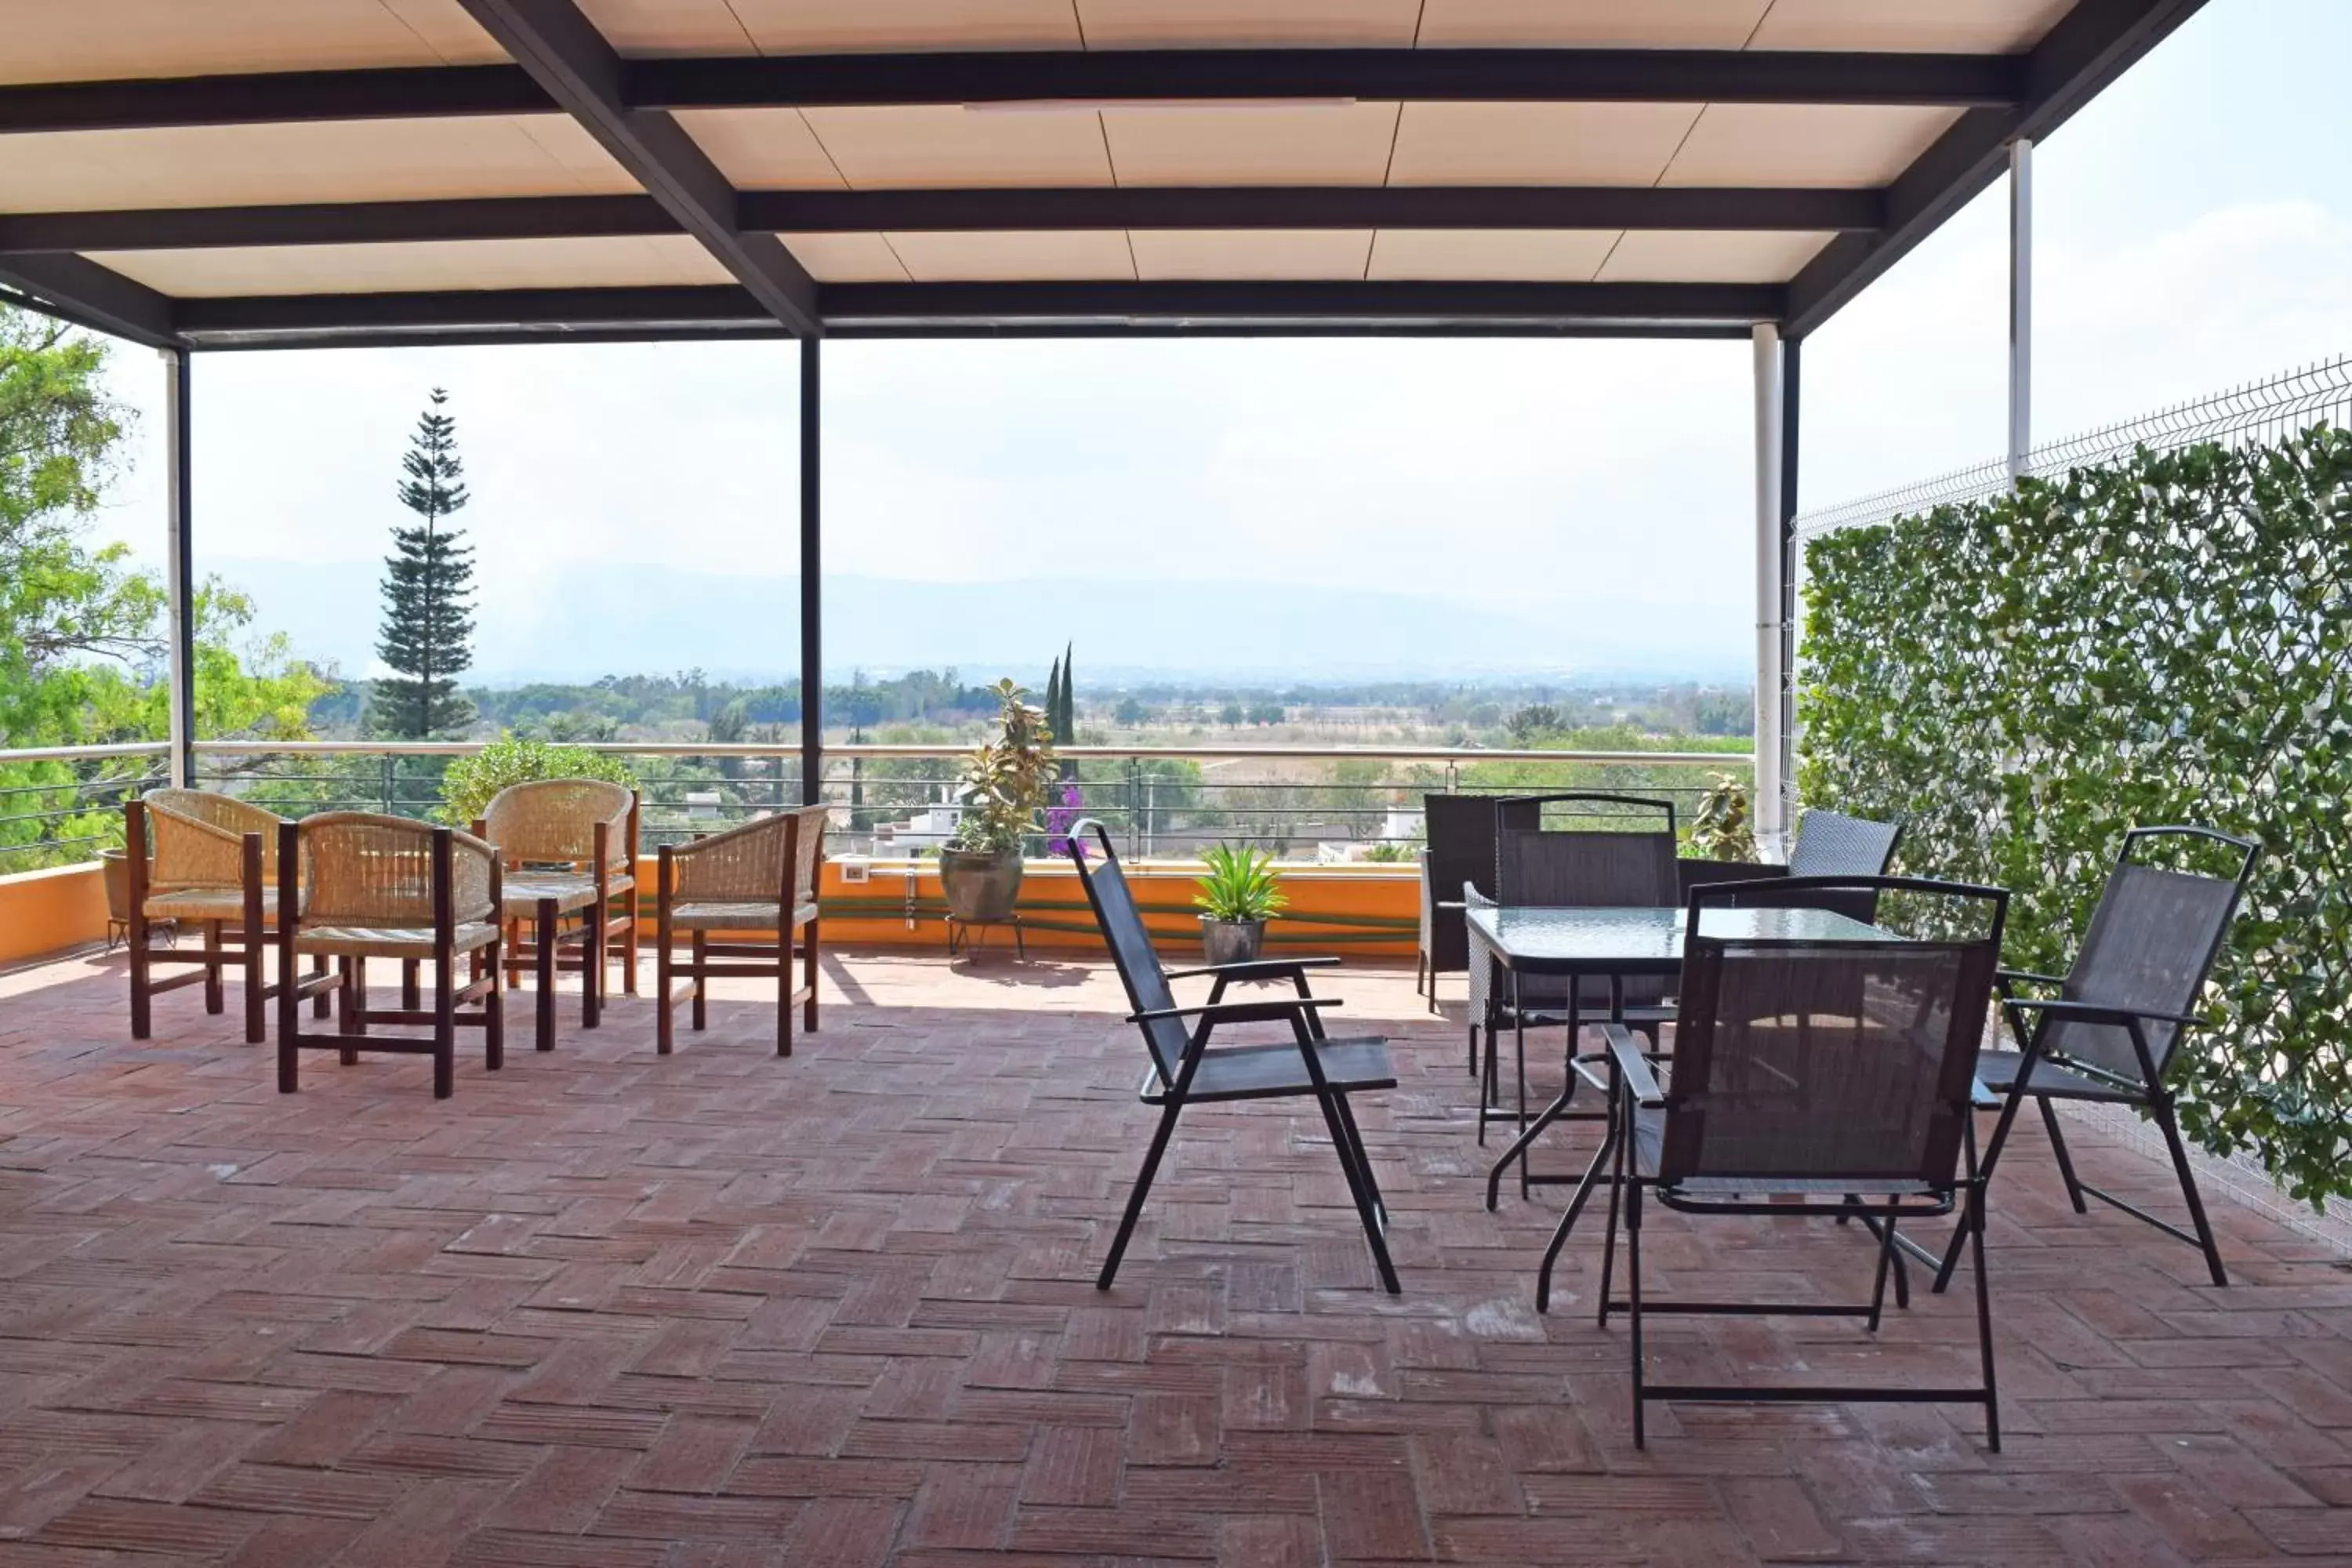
[[1537, 143], [1955, 26], [1235, 24], [90, 40], [822, 26], [1255, 255], [1660, 256], [846, 257], [1242, 144], [990, 257], [947, 145], [332, 160], [1491, 256], [1804, 144], [762, 149], [656, 259], [1593, 24]]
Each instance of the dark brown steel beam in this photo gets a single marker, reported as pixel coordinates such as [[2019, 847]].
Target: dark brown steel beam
[[567, 57], [821, 212], [76, 289], [2091, 45], [1004, 308], [1534, 75], [271, 99], [1480, 75]]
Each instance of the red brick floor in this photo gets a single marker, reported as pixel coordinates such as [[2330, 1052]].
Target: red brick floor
[[610, 1308]]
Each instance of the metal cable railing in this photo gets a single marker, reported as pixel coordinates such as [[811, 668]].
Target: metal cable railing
[[2257, 412], [60, 805]]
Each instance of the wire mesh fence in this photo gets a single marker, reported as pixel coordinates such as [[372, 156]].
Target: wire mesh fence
[[2258, 413]]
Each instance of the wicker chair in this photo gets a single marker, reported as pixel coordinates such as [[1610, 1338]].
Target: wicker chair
[[214, 866], [1832, 1079], [759, 877], [568, 847], [386, 887]]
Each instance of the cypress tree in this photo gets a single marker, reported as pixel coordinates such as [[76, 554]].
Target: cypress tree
[[428, 592]]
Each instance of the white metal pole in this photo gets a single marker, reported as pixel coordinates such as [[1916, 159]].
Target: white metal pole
[[1769, 797], [2020, 306], [178, 571]]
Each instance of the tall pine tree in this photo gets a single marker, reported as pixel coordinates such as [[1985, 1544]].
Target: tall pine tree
[[428, 621]]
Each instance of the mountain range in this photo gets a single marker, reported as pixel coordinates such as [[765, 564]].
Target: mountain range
[[576, 621]]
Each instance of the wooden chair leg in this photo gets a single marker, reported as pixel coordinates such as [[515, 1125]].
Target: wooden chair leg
[[543, 954], [784, 989], [321, 1001], [494, 1013], [629, 942], [665, 1017], [411, 995], [215, 999], [592, 967], [808, 962], [141, 976], [702, 957], [257, 1021]]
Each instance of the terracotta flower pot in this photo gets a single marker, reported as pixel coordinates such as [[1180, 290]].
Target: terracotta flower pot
[[980, 885]]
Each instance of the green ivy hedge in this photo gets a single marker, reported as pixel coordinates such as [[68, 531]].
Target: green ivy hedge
[[2163, 639]]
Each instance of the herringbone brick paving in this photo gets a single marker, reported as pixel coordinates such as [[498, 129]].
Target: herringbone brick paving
[[719, 1308]]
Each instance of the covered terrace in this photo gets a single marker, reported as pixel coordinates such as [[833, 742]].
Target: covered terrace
[[610, 1308]]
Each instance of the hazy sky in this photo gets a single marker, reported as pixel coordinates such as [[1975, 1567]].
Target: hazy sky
[[2194, 228]]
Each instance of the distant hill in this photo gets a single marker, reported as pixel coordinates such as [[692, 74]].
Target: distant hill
[[577, 622]]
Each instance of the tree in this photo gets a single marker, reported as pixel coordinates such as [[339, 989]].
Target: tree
[[1132, 712], [428, 592], [1532, 723], [81, 633]]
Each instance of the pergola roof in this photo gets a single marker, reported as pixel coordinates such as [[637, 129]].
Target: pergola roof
[[282, 173]]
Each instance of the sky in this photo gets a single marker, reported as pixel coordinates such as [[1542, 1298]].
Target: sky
[[1448, 508]]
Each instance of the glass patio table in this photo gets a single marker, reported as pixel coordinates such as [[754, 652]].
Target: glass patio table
[[1612, 945]]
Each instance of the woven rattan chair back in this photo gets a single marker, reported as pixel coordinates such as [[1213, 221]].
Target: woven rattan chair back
[[746, 864], [1844, 1062], [198, 837], [548, 821], [366, 869], [2152, 942], [1132, 953], [1832, 844]]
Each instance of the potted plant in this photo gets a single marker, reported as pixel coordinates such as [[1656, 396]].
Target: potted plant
[[1723, 830], [1002, 784], [1238, 895]]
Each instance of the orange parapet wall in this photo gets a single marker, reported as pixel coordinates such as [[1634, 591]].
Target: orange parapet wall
[[49, 911], [1370, 910]]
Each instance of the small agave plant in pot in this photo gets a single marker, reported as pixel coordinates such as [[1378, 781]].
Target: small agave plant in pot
[[1003, 784], [1239, 893]]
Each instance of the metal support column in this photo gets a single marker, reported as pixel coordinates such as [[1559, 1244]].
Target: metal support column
[[1770, 795], [1791, 576], [180, 571], [812, 592], [2020, 306]]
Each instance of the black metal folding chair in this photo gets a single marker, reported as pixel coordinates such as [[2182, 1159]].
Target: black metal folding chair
[[1837, 1074], [1185, 1071], [1832, 844], [1461, 851], [2113, 1028], [1597, 868]]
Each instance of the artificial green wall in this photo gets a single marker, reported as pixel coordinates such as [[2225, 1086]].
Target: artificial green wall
[[2163, 639]]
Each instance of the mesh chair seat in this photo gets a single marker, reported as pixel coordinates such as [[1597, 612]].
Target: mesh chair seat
[[389, 942], [520, 894], [736, 914], [1997, 1070], [1247, 1072], [1649, 1128]]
